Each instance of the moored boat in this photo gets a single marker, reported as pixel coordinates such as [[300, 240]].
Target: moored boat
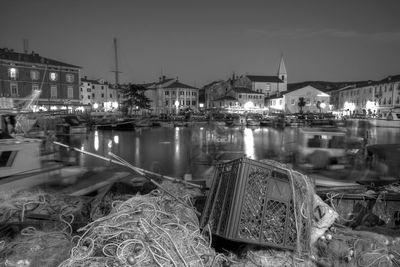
[[389, 119]]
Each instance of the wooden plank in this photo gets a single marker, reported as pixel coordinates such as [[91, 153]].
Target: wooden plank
[[91, 187]]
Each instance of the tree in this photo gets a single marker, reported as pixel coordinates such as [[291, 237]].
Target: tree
[[133, 97], [301, 104], [319, 106]]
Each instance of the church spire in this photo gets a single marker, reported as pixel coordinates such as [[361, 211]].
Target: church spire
[[282, 74], [282, 68]]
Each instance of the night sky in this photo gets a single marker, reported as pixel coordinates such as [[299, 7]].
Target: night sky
[[203, 41]]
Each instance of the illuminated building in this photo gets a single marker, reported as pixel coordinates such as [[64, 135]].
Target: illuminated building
[[22, 74], [170, 96]]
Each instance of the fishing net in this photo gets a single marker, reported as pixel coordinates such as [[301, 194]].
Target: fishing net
[[346, 247], [269, 258], [148, 230], [25, 206], [35, 248]]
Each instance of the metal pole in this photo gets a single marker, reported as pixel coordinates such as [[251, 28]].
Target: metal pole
[[137, 169]]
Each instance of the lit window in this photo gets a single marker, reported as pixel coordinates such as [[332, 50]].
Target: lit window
[[53, 76], [34, 75], [70, 92], [53, 91], [70, 78], [13, 73]]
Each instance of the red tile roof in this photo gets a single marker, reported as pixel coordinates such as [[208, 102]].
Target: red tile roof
[[9, 54]]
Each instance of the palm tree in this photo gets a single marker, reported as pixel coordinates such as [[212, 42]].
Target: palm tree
[[301, 104]]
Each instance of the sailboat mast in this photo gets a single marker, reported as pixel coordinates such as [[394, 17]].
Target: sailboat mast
[[116, 62]]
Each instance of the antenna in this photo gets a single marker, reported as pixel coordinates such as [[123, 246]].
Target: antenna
[[26, 45]]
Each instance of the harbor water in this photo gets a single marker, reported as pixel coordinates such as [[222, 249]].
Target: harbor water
[[176, 151]]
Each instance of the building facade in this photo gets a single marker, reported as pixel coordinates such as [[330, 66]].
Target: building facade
[[170, 96], [34, 82], [258, 87], [315, 101], [98, 94], [372, 97], [240, 99]]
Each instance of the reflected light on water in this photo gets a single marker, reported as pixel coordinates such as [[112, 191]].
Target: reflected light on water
[[96, 141], [248, 140], [177, 143], [137, 148], [116, 139]]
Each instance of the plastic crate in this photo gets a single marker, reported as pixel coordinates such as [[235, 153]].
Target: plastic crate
[[252, 202]]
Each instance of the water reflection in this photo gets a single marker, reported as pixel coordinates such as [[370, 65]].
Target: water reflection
[[96, 141], [176, 151], [249, 143]]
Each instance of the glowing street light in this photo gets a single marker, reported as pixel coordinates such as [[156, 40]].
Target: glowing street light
[[177, 106], [248, 105], [95, 106]]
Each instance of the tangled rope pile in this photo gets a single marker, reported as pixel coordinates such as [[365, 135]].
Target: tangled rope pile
[[34, 247], [15, 206], [148, 230], [344, 246]]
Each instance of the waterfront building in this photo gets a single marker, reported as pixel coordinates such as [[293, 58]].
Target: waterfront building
[[215, 91], [316, 100], [250, 89], [240, 99], [387, 94], [170, 96], [267, 85], [370, 98], [28, 79], [98, 94]]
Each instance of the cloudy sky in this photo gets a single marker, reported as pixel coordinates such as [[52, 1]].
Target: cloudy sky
[[203, 41]]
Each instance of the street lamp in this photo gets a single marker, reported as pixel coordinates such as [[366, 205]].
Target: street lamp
[[177, 106]]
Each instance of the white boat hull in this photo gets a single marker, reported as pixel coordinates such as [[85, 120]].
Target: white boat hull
[[385, 123]]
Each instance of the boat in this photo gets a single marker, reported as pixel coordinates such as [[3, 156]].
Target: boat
[[320, 148], [179, 121], [71, 125], [252, 120], [237, 120], [267, 121], [143, 122], [389, 119], [112, 122]]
